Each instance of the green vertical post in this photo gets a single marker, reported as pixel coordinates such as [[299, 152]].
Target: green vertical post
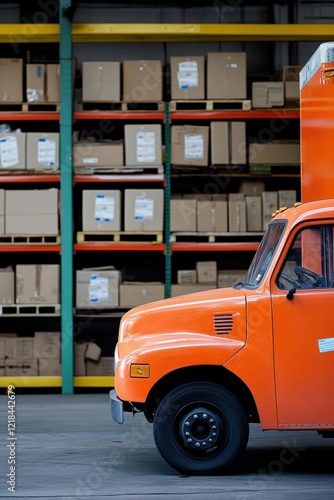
[[168, 275], [66, 186]]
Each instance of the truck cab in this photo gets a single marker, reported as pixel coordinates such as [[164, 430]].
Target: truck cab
[[203, 366]]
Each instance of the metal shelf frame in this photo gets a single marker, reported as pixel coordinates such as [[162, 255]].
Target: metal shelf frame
[[65, 34]]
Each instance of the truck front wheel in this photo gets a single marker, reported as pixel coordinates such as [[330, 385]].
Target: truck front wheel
[[200, 428]]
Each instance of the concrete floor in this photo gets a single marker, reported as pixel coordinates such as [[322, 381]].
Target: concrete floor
[[68, 447]]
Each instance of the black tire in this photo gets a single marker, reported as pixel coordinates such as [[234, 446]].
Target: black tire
[[200, 412]]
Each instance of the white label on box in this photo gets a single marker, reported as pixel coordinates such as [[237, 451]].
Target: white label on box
[[275, 96], [194, 146], [98, 288], [144, 208], [46, 152], [326, 345], [9, 151], [104, 208], [187, 76], [90, 160], [145, 147]]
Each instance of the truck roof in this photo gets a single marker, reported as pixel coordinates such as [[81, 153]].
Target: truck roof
[[312, 210]]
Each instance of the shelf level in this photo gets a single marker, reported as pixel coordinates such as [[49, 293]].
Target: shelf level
[[152, 32], [41, 382], [105, 381], [254, 114], [31, 382], [30, 248], [215, 247], [94, 178], [119, 115], [201, 32], [119, 247], [12, 179], [19, 116]]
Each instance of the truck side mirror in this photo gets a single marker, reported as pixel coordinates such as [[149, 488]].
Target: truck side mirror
[[291, 293]]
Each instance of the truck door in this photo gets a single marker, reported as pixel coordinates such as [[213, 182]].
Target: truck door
[[303, 330]]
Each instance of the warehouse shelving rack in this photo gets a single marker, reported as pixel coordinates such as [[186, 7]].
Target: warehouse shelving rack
[[65, 33]]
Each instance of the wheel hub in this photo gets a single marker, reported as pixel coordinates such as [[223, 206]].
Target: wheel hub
[[200, 429]]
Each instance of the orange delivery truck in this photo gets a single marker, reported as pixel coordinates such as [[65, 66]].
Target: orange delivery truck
[[203, 366]]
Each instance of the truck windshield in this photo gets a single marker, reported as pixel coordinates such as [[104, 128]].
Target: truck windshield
[[264, 255]]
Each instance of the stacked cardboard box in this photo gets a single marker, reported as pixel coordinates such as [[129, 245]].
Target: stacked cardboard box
[[97, 288], [30, 212], [101, 81], [30, 356], [11, 80], [142, 81], [89, 153], [38, 151], [88, 360]]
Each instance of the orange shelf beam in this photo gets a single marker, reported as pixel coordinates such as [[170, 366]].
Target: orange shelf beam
[[119, 115], [231, 115], [30, 248], [9, 179], [119, 178], [215, 247], [29, 116], [119, 247]]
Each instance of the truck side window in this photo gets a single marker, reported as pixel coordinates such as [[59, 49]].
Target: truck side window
[[307, 263]]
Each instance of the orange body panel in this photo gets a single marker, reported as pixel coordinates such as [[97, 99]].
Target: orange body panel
[[317, 132], [273, 347]]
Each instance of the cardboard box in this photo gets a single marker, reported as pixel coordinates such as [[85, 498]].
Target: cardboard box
[[183, 214], [79, 358], [229, 278], [36, 82], [254, 213], [21, 368], [212, 216], [136, 293], [2, 348], [269, 205], [185, 289], [101, 81], [142, 81], [267, 94], [228, 143], [237, 216], [11, 80], [19, 348], [103, 367], [13, 151], [98, 154], [47, 345], [186, 277], [97, 289], [2, 211], [236, 197], [206, 272], [144, 209], [93, 352], [287, 198], [42, 151], [143, 145], [289, 73], [52, 82], [101, 210], [37, 284], [292, 95], [32, 211], [252, 188], [226, 75], [190, 145], [274, 153], [7, 285], [187, 77], [49, 367]]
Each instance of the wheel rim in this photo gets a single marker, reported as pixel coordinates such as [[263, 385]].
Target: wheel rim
[[202, 432]]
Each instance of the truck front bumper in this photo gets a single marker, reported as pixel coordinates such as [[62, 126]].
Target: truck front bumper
[[116, 406]]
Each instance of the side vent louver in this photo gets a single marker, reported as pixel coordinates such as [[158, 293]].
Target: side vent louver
[[223, 324]]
